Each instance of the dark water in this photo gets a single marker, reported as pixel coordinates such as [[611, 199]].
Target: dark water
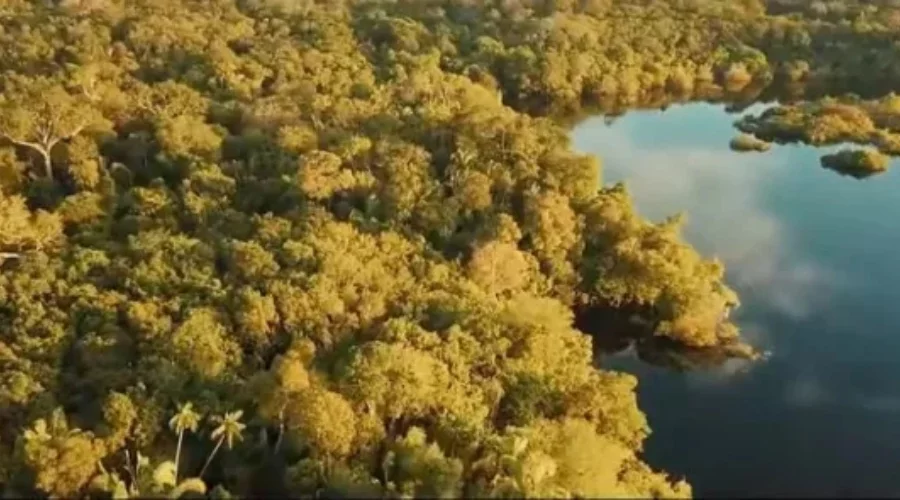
[[815, 257]]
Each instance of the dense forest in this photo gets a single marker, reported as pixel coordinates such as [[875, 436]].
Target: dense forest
[[341, 247]]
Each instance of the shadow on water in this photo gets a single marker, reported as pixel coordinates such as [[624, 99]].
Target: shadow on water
[[616, 331], [735, 100]]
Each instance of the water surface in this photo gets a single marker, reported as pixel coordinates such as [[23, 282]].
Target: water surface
[[815, 257]]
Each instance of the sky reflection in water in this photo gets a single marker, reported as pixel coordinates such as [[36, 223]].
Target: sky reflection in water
[[814, 257]]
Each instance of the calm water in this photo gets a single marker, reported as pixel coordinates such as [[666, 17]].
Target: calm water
[[816, 259]]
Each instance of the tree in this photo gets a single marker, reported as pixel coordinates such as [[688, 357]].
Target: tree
[[185, 419], [324, 419], [415, 467], [62, 458], [145, 479], [119, 414], [321, 175], [38, 113], [202, 344], [501, 267], [23, 230], [229, 429]]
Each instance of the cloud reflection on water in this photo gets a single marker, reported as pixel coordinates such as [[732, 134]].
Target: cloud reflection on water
[[808, 390], [687, 168], [722, 193], [813, 280]]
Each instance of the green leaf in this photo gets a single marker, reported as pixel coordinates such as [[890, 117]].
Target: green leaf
[[192, 485], [120, 491], [519, 445], [164, 475]]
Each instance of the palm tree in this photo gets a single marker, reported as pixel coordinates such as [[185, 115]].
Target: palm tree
[[229, 429], [185, 419]]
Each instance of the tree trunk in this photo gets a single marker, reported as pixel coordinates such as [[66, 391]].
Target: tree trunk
[[43, 148], [280, 437], [178, 453], [48, 164], [211, 456]]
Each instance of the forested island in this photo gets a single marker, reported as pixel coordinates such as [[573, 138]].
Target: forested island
[[859, 163], [339, 247]]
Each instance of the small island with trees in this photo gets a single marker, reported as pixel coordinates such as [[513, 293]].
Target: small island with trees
[[859, 163], [831, 121]]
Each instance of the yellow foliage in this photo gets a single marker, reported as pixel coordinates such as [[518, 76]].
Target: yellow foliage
[[23, 230], [202, 345], [324, 419]]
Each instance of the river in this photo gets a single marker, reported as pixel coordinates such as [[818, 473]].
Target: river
[[815, 257]]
